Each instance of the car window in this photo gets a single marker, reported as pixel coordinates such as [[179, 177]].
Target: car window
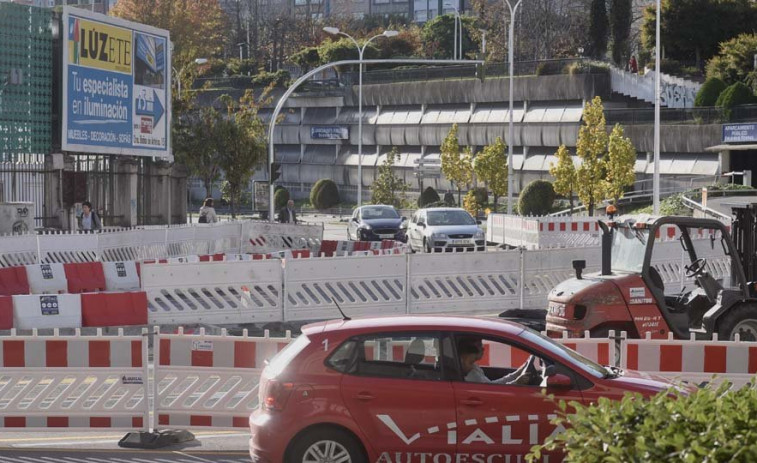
[[493, 360], [450, 217], [401, 356], [379, 213]]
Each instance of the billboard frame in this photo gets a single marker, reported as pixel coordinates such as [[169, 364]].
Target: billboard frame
[[163, 154]]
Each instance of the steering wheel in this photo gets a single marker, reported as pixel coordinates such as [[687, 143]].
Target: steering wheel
[[696, 268], [530, 373]]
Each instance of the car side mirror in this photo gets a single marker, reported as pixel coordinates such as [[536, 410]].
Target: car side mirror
[[403, 226], [559, 381], [478, 222], [422, 224], [354, 219]]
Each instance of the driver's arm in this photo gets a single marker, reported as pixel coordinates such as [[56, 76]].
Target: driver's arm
[[513, 376]]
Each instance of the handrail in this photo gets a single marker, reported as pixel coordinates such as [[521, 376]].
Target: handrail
[[691, 204]]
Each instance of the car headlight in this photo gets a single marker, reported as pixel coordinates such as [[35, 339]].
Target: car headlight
[[479, 235]]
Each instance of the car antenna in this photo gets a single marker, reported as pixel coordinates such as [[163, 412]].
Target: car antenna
[[344, 317]]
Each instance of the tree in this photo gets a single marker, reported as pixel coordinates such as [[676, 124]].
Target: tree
[[196, 144], [490, 166], [456, 166], [196, 26], [565, 175], [242, 147], [591, 148], [620, 163], [439, 35], [692, 29], [598, 27], [620, 27], [388, 186], [734, 63]]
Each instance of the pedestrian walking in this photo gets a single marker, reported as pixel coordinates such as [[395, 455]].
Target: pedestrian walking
[[207, 212], [89, 221]]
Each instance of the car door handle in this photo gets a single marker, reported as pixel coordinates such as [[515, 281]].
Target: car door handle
[[364, 396], [473, 402]]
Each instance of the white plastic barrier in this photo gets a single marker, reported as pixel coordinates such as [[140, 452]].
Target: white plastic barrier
[[47, 278], [74, 382], [543, 269], [68, 247], [119, 246], [47, 311], [469, 283], [209, 381], [262, 237], [121, 276], [360, 285], [214, 292], [184, 260], [689, 360], [18, 250]]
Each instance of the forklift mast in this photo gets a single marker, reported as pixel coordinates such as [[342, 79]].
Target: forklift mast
[[744, 231]]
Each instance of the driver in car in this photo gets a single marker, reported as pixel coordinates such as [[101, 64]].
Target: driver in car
[[471, 351]]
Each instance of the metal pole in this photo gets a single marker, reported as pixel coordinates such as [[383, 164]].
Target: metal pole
[[656, 175], [454, 39], [511, 135], [360, 129], [306, 76]]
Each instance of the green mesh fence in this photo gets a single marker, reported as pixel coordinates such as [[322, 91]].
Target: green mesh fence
[[26, 77]]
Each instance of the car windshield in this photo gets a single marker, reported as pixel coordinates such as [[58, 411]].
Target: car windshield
[[628, 248], [451, 217], [589, 366], [380, 213]]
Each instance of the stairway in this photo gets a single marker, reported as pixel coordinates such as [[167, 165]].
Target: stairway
[[676, 92]]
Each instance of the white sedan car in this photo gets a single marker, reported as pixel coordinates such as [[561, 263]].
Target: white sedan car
[[440, 229]]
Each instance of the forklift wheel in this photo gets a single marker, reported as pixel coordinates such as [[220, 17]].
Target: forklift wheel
[[741, 320]]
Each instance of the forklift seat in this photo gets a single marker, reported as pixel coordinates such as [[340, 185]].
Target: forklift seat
[[656, 279]]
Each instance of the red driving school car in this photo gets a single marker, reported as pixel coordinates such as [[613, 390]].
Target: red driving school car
[[424, 389]]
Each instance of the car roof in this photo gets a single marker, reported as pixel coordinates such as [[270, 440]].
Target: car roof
[[412, 322], [385, 206], [443, 209]]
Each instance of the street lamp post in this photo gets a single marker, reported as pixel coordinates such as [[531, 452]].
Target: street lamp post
[[360, 50], [656, 174], [511, 136], [178, 74]]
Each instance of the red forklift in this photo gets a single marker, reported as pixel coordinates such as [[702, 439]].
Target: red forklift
[[629, 292]]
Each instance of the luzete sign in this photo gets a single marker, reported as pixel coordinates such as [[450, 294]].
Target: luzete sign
[[116, 86]]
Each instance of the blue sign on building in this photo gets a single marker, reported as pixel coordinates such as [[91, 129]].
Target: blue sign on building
[[739, 133], [328, 132]]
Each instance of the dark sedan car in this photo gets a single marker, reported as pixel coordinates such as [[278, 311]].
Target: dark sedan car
[[376, 223]]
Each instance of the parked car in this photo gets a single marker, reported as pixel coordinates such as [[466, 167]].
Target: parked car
[[375, 223], [440, 229], [372, 390]]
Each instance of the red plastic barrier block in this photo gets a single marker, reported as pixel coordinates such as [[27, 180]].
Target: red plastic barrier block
[[13, 280], [362, 246], [300, 253], [212, 257], [6, 312], [84, 277], [328, 247], [114, 309]]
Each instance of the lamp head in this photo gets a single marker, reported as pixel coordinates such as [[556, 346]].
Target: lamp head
[[390, 33], [331, 30]]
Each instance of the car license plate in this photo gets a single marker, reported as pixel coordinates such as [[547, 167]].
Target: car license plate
[[460, 242], [387, 236]]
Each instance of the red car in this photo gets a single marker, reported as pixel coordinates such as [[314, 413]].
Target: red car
[[403, 389]]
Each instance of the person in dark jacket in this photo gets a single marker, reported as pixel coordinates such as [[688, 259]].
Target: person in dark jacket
[[287, 214], [89, 220]]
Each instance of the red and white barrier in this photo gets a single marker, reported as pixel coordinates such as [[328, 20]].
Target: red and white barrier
[[114, 309], [47, 311], [13, 280], [6, 312], [84, 277], [222, 360], [47, 278], [111, 369], [691, 360]]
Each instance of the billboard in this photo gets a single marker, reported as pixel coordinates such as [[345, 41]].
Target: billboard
[[116, 86]]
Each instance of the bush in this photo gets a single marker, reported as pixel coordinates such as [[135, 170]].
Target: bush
[[714, 425], [324, 194], [449, 199], [548, 68], [710, 91], [536, 198], [280, 197], [279, 78], [734, 63], [736, 94], [583, 67], [481, 195], [428, 196]]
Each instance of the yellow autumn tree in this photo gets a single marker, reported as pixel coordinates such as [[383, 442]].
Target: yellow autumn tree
[[621, 160], [591, 148], [490, 166], [564, 173], [457, 167]]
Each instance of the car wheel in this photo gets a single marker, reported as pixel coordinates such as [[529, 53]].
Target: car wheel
[[349, 236], [427, 246], [741, 320], [326, 446]]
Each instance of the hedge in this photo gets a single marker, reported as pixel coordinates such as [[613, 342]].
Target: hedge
[[710, 91], [324, 194], [280, 197], [537, 198]]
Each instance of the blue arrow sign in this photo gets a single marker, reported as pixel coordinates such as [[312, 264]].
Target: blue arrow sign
[[152, 107]]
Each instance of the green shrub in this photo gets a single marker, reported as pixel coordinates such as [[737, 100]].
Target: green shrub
[[736, 94], [280, 78], [428, 196], [713, 425], [548, 68], [280, 197], [710, 91], [324, 194], [536, 198], [481, 195], [449, 199], [584, 67], [734, 62]]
